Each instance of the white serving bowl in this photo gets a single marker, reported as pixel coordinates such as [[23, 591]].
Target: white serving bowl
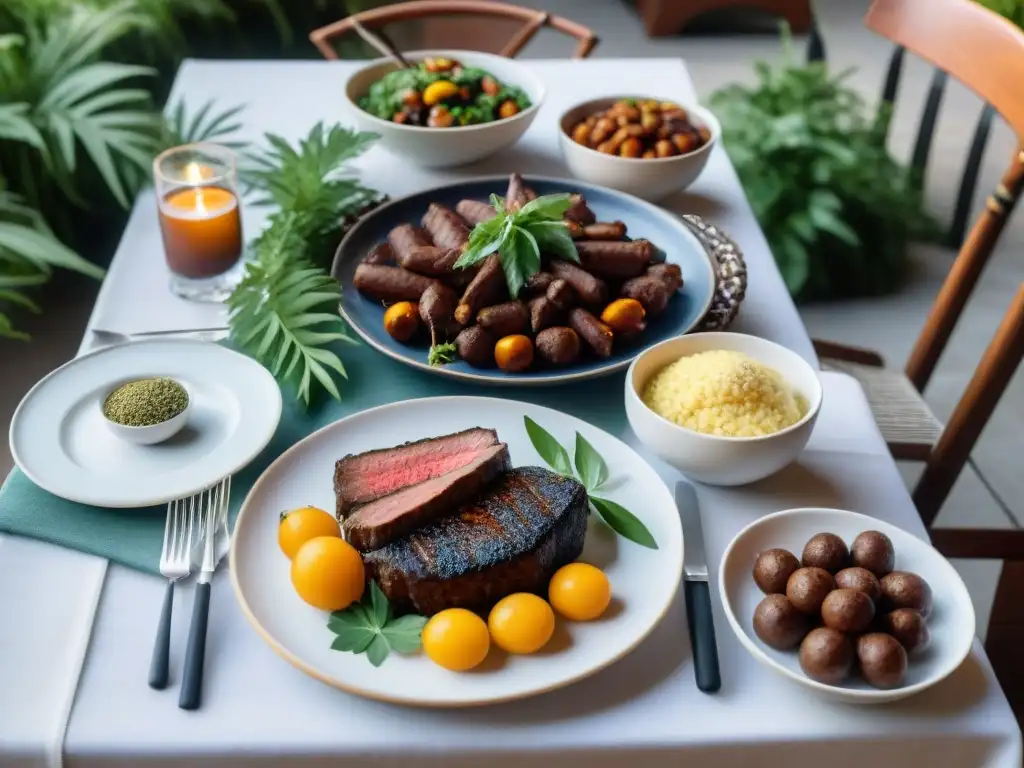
[[445, 147], [951, 621], [713, 459], [650, 179], [154, 433]]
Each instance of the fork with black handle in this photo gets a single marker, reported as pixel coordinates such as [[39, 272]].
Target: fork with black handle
[[175, 563]]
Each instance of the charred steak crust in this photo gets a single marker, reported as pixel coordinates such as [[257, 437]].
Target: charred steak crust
[[363, 477], [390, 517], [526, 526]]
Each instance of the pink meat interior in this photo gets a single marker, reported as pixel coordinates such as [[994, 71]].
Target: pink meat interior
[[409, 468]]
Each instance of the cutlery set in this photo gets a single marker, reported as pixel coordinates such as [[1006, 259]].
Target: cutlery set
[[195, 536]]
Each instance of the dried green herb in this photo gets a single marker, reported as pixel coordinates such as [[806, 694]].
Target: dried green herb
[[145, 402]]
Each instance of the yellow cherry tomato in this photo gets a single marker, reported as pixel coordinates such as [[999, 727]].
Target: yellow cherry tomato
[[300, 525], [328, 573], [521, 623], [438, 91], [456, 639], [579, 591]]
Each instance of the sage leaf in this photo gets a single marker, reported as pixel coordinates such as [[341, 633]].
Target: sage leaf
[[379, 605], [548, 448], [589, 465], [377, 650], [623, 522], [354, 639]]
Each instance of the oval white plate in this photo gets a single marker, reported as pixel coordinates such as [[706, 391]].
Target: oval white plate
[[60, 439], [643, 581], [951, 621]]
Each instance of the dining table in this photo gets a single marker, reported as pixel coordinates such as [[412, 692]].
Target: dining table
[[76, 631]]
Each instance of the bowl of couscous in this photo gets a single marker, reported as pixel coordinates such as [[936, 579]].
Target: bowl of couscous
[[722, 408]]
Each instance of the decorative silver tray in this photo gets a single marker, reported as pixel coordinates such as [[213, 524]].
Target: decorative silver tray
[[731, 269]]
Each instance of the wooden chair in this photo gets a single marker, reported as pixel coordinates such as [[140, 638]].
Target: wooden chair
[[986, 53], [533, 21]]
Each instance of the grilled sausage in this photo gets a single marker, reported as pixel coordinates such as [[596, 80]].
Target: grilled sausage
[[504, 319], [652, 292], [406, 238], [558, 345], [543, 314], [475, 345], [597, 335], [537, 283], [446, 227], [561, 294], [380, 254], [430, 260], [605, 230], [670, 274], [437, 311], [579, 211], [389, 283], [487, 288], [518, 194], [615, 261], [474, 211], [591, 290]]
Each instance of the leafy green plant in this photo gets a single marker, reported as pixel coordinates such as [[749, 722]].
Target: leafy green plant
[[836, 208], [284, 311], [370, 627], [181, 128], [1011, 9]]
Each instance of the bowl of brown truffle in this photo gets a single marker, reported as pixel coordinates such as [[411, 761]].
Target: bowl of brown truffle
[[846, 604]]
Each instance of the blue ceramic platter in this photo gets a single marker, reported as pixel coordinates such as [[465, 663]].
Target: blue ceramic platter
[[643, 220]]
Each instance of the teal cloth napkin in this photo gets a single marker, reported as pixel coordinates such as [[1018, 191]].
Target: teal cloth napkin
[[133, 537]]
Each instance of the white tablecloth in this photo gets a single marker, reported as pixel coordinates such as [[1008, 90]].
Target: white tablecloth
[[645, 709]]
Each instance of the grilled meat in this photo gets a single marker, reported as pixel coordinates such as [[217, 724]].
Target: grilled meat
[[385, 283], [446, 227], [475, 211]]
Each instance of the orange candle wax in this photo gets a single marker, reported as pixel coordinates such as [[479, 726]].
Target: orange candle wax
[[202, 230]]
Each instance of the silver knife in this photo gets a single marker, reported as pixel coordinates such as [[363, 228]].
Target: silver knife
[[698, 595], [215, 540], [110, 338]]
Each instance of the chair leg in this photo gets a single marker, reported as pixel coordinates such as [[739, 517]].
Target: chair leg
[[980, 398], [1005, 636]]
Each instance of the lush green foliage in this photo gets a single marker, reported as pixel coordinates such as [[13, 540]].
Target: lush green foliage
[[837, 209], [1011, 9], [284, 312]]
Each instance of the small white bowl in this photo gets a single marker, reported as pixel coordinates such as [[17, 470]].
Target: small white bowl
[[446, 147], [713, 459], [152, 434], [951, 621], [651, 179]]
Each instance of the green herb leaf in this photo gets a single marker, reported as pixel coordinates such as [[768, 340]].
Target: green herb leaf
[[442, 354], [623, 522], [590, 467], [353, 639], [380, 606], [484, 240], [404, 633], [553, 237], [377, 651], [545, 208], [369, 627], [549, 449], [514, 250]]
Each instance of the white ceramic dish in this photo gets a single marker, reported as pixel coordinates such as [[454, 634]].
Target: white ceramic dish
[[60, 438], [446, 147], [651, 179], [951, 621], [153, 433], [643, 581], [709, 458]]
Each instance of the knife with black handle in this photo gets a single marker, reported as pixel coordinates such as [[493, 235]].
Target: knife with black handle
[[698, 595]]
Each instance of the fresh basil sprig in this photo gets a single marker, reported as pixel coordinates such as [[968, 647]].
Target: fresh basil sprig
[[592, 471], [520, 236], [368, 627]]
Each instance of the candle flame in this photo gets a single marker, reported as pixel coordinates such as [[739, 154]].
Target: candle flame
[[193, 173]]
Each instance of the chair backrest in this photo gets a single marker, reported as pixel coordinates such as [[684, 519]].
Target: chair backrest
[[533, 21], [986, 53]]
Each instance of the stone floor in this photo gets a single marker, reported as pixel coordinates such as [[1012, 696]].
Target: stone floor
[[889, 325]]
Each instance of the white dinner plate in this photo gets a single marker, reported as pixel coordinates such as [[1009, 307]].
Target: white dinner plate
[[60, 439], [643, 581], [951, 621]]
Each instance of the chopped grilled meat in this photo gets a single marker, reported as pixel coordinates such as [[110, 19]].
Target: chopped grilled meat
[[615, 260], [437, 311], [398, 514], [475, 211], [652, 292], [430, 260], [380, 254], [504, 319], [558, 345], [561, 294], [385, 283], [527, 525], [537, 284], [579, 211], [487, 288], [670, 274], [518, 194], [446, 227], [605, 230], [476, 346], [597, 335], [406, 238], [363, 477], [543, 313], [592, 290]]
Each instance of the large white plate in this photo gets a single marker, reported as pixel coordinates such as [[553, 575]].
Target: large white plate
[[643, 581], [59, 437]]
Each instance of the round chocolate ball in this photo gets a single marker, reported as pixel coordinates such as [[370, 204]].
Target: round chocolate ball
[[873, 551], [826, 551], [902, 589], [908, 627], [847, 610], [807, 588], [772, 570], [860, 579], [826, 655], [883, 661], [779, 624]]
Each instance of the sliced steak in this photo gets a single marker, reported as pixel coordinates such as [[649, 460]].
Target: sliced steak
[[364, 477], [391, 517], [526, 526]]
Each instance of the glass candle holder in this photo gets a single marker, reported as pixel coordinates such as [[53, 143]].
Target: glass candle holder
[[200, 219]]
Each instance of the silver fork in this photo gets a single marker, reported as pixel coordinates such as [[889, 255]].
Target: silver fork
[[175, 563]]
